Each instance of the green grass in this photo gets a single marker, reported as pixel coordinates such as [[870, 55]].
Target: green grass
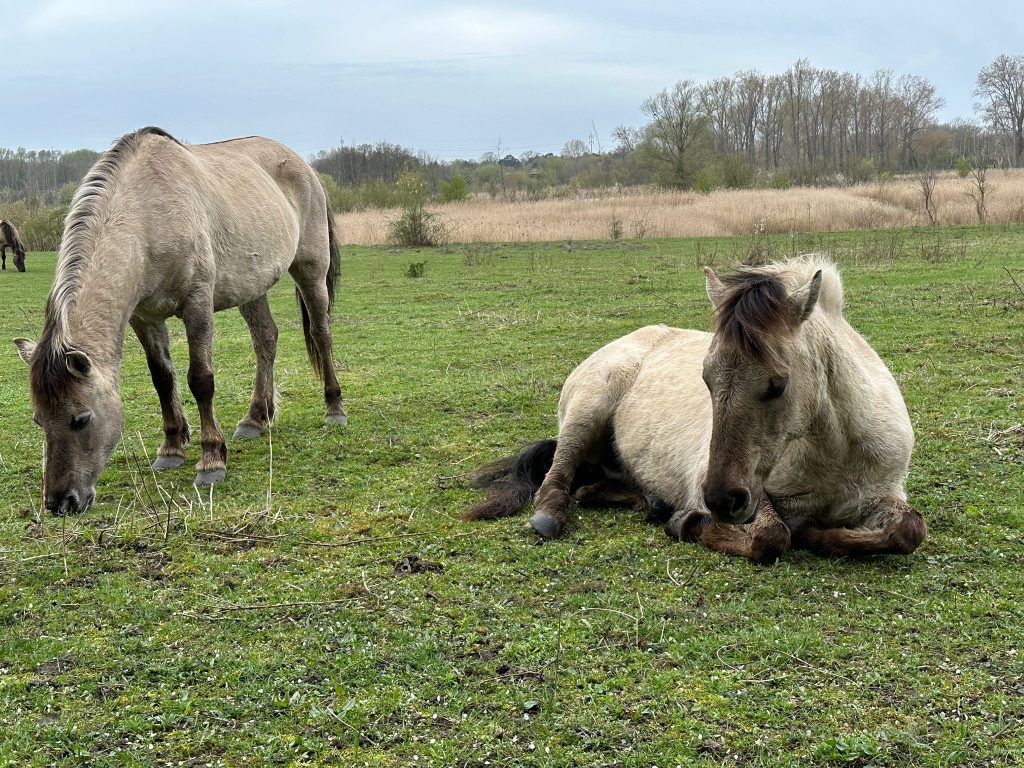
[[160, 630]]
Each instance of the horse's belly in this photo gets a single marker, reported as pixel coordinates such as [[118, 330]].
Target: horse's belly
[[662, 433], [244, 278]]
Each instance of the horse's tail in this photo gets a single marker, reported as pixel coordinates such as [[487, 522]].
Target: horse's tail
[[333, 270], [12, 238], [511, 482]]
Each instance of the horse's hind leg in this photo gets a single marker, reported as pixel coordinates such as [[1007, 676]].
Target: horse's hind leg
[[153, 337], [3, 257], [263, 330], [312, 287], [892, 527], [761, 541], [198, 317]]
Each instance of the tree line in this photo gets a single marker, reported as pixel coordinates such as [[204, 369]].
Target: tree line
[[806, 125]]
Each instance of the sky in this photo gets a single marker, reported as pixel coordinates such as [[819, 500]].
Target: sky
[[452, 79]]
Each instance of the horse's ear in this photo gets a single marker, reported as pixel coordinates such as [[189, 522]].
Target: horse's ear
[[78, 363], [715, 285], [805, 298], [26, 349]]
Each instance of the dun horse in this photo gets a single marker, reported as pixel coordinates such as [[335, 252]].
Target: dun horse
[[782, 428], [9, 239], [160, 228]]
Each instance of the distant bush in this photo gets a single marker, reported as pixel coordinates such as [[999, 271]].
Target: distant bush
[[704, 181], [40, 227], [369, 194], [963, 167], [415, 226], [782, 179], [737, 172], [454, 190]]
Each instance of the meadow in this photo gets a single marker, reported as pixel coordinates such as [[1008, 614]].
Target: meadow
[[327, 606], [645, 212]]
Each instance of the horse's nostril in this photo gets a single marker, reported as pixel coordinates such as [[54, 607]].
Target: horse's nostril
[[726, 503], [738, 499]]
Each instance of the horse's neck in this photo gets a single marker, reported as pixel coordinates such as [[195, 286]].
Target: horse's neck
[[840, 385], [100, 303]]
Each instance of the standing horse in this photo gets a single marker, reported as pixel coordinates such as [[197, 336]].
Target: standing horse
[[9, 239], [160, 228], [782, 428]]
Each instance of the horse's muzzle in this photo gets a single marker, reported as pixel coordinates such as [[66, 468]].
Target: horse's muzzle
[[69, 502]]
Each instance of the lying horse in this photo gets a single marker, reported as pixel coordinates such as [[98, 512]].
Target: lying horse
[[782, 428], [160, 228], [9, 239]]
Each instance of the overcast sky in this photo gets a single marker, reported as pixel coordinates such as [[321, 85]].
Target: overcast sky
[[449, 78]]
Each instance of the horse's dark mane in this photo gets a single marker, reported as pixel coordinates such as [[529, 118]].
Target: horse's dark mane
[[49, 377], [753, 313]]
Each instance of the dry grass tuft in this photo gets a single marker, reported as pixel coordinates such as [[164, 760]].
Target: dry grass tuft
[[643, 212]]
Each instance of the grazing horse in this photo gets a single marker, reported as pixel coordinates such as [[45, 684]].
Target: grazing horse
[[160, 228], [9, 239], [782, 428]]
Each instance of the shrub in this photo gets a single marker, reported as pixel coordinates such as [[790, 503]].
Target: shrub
[[736, 171], [416, 269], [415, 225], [704, 181], [454, 190], [782, 179], [963, 167]]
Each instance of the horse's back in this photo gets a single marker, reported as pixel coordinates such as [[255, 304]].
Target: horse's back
[[648, 387], [231, 212]]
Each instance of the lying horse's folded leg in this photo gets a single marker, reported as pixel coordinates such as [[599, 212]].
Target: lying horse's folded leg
[[761, 541], [609, 493], [893, 528], [198, 318], [263, 331], [575, 440], [156, 344]]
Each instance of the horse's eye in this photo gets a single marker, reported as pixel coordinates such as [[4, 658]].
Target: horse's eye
[[776, 386], [80, 421]]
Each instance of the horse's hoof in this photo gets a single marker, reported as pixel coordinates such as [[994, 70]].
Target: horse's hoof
[[336, 418], [168, 462], [545, 525], [687, 524], [246, 431], [206, 478]]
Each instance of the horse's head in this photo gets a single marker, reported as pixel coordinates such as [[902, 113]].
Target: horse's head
[[79, 410], [756, 395]]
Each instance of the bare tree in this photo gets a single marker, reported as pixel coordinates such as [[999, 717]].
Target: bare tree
[[926, 183], [677, 125], [1000, 90], [978, 189]]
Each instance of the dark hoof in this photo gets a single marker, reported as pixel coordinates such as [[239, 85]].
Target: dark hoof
[[545, 525], [208, 477], [245, 431], [687, 524], [168, 462], [336, 418]]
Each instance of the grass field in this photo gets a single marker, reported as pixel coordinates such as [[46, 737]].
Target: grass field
[[268, 623]]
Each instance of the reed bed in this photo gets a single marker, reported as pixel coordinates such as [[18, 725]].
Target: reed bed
[[646, 212]]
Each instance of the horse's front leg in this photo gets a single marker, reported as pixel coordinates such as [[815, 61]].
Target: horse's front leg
[[763, 541], [154, 340], [263, 330], [198, 318], [891, 527], [576, 438], [3, 257]]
